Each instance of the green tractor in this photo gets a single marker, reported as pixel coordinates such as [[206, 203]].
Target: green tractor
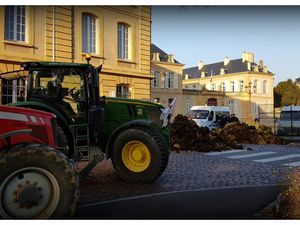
[[93, 128]]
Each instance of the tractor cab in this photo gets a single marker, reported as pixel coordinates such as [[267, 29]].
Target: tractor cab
[[62, 86], [72, 90]]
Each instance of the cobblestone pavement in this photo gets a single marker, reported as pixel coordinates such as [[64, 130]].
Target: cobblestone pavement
[[188, 171]]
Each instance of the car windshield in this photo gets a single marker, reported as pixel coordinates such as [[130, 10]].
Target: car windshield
[[198, 114], [289, 115]]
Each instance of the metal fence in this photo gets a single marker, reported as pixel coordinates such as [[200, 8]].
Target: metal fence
[[268, 116]]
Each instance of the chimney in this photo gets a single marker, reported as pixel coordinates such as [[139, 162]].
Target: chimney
[[248, 56], [200, 65], [186, 76], [265, 69], [261, 63], [222, 71], [248, 65], [255, 68], [171, 58], [156, 56], [226, 61], [202, 74]]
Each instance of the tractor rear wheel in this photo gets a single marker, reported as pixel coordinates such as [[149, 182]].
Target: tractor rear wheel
[[37, 181], [140, 155]]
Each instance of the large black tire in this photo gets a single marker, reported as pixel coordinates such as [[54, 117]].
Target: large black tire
[[151, 169], [37, 181]]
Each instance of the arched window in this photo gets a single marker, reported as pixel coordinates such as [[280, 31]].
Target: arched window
[[88, 33], [123, 41]]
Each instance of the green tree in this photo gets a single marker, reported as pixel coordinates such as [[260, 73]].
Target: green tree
[[286, 93]]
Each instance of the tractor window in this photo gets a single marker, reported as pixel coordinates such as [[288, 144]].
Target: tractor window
[[64, 84]]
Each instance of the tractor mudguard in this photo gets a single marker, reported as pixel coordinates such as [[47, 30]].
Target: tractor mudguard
[[133, 123]]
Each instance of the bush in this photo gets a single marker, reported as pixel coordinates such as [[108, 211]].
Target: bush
[[289, 200]]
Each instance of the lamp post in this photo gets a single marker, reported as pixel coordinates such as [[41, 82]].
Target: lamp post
[[249, 91]]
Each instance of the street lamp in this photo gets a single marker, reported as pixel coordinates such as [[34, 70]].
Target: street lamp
[[249, 91]]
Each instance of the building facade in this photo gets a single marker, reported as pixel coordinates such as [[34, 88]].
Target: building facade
[[247, 86], [117, 37], [167, 82]]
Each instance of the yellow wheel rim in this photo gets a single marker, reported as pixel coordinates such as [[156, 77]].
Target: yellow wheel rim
[[136, 156]]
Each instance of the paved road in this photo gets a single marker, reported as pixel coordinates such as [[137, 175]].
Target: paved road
[[284, 156], [266, 165], [228, 203]]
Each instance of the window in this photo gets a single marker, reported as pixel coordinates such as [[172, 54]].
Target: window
[[213, 87], [264, 87], [171, 80], [241, 86], [15, 23], [123, 41], [198, 114], [223, 86], [232, 86], [255, 86], [123, 91], [155, 80], [13, 90], [88, 33], [289, 115]]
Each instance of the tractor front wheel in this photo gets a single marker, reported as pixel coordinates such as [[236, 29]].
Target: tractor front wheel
[[37, 181], [140, 155]]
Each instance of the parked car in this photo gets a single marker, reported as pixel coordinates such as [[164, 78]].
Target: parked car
[[208, 116], [289, 121]]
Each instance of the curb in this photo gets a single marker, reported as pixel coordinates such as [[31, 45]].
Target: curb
[[270, 211]]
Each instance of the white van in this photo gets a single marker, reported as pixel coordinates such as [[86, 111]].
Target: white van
[[289, 121], [207, 116]]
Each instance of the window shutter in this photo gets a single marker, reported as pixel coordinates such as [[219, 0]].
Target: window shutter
[[166, 80], [175, 81], [157, 79], [152, 80]]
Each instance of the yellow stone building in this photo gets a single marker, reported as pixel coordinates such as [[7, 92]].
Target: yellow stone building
[[247, 87], [118, 37], [167, 82]]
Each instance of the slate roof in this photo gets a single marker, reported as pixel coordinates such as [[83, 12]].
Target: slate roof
[[234, 66], [162, 55]]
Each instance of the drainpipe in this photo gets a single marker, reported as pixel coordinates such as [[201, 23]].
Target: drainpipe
[[53, 34]]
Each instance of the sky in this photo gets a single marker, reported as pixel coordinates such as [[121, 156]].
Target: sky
[[210, 33]]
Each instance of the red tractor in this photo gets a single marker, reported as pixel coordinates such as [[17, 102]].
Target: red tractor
[[36, 181]]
